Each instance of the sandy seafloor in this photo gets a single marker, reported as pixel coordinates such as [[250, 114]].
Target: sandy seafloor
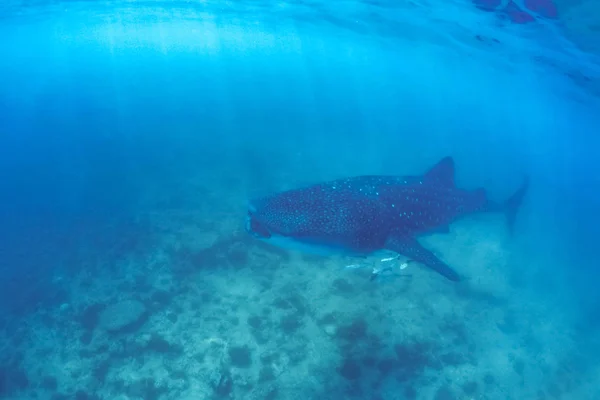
[[203, 311]]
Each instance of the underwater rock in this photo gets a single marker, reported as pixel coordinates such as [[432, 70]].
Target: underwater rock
[[290, 324], [240, 356], [89, 317], [147, 389], [355, 331], [470, 388], [410, 393], [292, 301], [12, 379], [272, 394], [342, 287], [82, 395], [444, 393], [222, 384], [266, 374], [158, 344], [49, 383], [489, 379], [519, 367], [160, 298], [350, 369], [126, 315], [412, 359], [101, 370]]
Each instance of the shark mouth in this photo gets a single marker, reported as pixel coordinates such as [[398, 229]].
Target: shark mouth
[[256, 228]]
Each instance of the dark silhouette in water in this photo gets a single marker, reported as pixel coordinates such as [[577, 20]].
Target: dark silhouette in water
[[361, 215]]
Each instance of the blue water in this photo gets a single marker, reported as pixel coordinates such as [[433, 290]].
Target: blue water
[[132, 135]]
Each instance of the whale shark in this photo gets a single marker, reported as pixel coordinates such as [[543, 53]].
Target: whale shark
[[362, 215]]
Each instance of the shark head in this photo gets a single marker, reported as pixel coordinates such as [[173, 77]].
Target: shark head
[[257, 223], [273, 217], [283, 221], [307, 220]]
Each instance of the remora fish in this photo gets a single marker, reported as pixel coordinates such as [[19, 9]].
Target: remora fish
[[361, 215]]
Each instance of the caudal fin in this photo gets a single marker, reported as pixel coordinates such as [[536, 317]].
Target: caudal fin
[[512, 205]]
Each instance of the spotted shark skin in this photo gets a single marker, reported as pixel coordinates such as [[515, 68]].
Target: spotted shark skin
[[365, 214]]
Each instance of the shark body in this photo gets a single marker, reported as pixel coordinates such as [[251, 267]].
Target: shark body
[[365, 214]]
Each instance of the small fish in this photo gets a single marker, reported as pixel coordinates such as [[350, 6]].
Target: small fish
[[388, 270], [354, 266]]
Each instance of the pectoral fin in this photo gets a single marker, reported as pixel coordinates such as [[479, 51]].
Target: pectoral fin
[[412, 249]]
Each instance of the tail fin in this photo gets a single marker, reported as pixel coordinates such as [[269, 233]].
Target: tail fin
[[511, 206]]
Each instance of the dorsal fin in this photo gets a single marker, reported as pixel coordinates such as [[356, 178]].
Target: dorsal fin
[[442, 173]]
